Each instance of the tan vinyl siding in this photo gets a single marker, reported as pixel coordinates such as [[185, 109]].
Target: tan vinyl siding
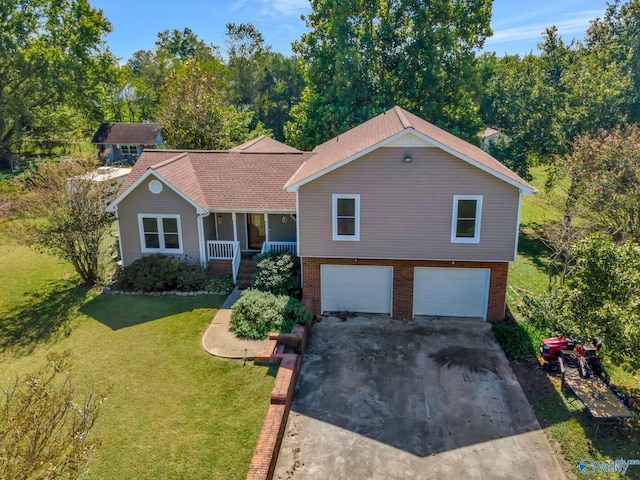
[[209, 224], [279, 231], [225, 226], [406, 208], [241, 221], [141, 200]]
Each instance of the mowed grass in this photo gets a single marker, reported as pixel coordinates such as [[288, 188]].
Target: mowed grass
[[529, 273], [568, 422], [171, 410]]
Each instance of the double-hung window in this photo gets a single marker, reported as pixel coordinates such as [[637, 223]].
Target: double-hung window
[[160, 233], [467, 213], [346, 216], [129, 149]]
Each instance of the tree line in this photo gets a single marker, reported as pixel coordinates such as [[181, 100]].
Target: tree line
[[60, 80]]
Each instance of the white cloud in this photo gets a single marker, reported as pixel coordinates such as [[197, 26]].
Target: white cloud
[[576, 25], [289, 8], [272, 8]]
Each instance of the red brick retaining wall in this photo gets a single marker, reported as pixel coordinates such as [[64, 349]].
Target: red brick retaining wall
[[403, 282], [266, 453]]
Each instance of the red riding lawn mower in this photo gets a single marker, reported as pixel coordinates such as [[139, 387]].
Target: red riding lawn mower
[[576, 356], [585, 357]]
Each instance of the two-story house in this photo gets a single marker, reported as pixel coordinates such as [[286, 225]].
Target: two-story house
[[395, 216]]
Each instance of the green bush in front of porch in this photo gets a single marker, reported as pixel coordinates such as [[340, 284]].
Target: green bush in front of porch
[[278, 273], [161, 272], [256, 314]]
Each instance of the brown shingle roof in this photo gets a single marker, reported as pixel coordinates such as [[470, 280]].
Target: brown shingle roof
[[131, 133], [394, 121], [264, 144], [224, 180]]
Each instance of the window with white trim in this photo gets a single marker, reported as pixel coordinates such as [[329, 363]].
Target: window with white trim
[[346, 216], [160, 233], [467, 213]]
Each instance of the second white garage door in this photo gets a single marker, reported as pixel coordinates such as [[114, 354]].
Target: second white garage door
[[348, 288], [453, 292]]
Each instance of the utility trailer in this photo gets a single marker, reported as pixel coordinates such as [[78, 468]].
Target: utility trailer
[[605, 402], [582, 372]]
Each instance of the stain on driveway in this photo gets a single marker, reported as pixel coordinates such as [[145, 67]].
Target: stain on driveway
[[386, 399]]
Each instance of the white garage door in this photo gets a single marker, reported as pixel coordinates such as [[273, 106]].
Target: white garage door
[[455, 292], [365, 289]]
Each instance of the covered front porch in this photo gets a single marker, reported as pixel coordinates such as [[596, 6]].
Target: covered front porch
[[229, 234]]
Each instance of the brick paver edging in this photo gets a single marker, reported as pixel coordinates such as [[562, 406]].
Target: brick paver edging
[[266, 453]]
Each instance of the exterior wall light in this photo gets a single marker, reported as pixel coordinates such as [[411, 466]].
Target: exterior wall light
[[407, 159]]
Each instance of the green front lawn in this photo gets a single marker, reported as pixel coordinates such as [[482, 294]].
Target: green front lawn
[[172, 410]]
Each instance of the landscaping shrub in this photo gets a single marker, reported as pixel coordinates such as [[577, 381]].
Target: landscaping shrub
[[192, 276], [518, 340], [220, 284], [547, 311], [278, 273], [153, 273], [257, 313]]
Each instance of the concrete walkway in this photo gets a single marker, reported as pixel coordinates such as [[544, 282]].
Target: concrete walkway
[[220, 341]]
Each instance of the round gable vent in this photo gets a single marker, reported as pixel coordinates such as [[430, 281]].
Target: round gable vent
[[155, 186]]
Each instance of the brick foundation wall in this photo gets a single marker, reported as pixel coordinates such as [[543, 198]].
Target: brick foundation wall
[[403, 282], [220, 268]]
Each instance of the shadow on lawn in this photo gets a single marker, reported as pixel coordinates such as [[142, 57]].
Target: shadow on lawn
[[122, 311], [44, 316], [530, 246]]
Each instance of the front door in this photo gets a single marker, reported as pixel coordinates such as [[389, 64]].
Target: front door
[[256, 230]]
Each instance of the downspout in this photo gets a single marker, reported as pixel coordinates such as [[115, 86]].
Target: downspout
[[515, 248], [298, 237], [119, 236]]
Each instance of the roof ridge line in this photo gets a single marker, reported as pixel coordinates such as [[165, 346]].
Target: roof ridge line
[[403, 119], [168, 161], [248, 144]]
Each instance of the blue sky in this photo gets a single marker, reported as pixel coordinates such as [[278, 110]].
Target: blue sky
[[517, 24]]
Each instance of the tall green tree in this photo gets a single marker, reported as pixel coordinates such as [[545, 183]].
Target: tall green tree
[[146, 72], [280, 90], [604, 177], [246, 51], [267, 83], [195, 114], [362, 57], [544, 102], [600, 300], [616, 40], [526, 98], [51, 53]]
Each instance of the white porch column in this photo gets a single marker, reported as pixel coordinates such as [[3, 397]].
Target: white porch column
[[235, 227], [266, 227], [202, 241]]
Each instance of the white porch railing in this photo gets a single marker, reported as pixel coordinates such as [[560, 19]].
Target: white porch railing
[[220, 249], [291, 247], [225, 250]]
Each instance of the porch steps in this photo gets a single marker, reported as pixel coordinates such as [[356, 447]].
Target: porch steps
[[245, 272]]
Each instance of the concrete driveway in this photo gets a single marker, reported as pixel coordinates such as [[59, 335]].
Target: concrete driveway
[[433, 398]]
